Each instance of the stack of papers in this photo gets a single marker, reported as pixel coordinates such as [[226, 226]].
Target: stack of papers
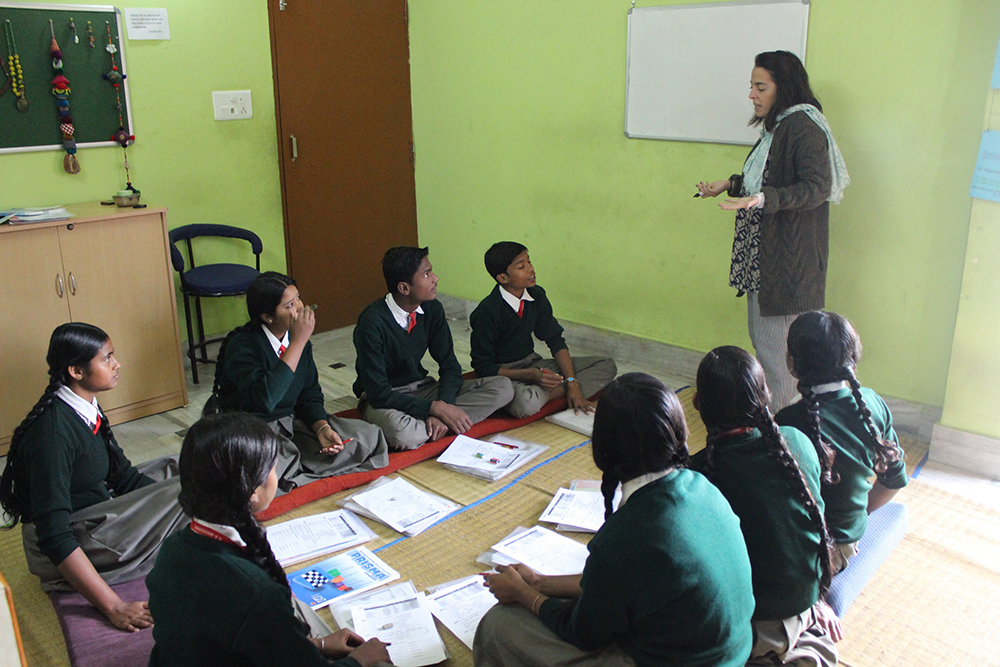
[[26, 216], [301, 539], [406, 625], [341, 610], [544, 551], [461, 605], [399, 505], [580, 422], [340, 577], [489, 460], [575, 510]]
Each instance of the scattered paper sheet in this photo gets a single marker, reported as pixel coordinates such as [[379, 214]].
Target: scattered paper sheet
[[402, 506], [544, 551], [580, 422], [580, 509], [489, 460], [341, 611], [407, 625], [301, 539], [461, 606]]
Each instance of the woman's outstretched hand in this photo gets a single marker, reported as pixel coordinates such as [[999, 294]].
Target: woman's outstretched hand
[[713, 189]]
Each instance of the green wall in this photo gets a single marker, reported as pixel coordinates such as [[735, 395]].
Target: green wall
[[974, 376], [518, 114], [201, 169]]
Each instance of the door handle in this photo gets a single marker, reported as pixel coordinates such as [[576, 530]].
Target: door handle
[[72, 283], [295, 148], [59, 285]]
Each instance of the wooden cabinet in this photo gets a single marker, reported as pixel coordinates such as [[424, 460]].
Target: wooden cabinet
[[106, 266]]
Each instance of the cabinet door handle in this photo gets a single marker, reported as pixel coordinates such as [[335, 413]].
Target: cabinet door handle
[[59, 285], [72, 283], [295, 148]]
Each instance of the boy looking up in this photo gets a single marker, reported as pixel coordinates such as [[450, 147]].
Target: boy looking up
[[502, 326], [392, 335]]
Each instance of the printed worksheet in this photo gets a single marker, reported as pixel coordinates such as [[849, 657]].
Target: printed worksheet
[[581, 509], [341, 612], [461, 606], [407, 625], [544, 551], [400, 505], [301, 539]]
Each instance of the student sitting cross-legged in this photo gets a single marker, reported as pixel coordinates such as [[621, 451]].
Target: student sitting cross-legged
[[502, 328], [392, 335]]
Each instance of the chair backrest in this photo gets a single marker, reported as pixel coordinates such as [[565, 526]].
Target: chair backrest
[[188, 232]]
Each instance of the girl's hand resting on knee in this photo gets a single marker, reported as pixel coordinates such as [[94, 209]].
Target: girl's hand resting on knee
[[130, 616]]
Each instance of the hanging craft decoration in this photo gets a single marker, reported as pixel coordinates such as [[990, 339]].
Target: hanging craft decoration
[[61, 90], [72, 29], [116, 78], [13, 67], [90, 33]]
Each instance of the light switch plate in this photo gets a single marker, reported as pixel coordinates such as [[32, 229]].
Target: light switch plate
[[232, 104]]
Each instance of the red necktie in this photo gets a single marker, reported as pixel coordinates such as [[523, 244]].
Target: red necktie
[[97, 424], [520, 309], [281, 350], [413, 322]]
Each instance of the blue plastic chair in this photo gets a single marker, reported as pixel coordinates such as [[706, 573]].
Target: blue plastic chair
[[210, 280]]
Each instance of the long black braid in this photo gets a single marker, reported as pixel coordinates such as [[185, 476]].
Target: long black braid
[[263, 298], [824, 451], [777, 450], [71, 344], [886, 452], [733, 394], [224, 459]]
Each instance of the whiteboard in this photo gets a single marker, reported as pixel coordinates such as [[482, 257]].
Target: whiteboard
[[688, 70]]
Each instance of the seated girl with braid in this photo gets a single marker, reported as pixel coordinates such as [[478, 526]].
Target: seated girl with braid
[[90, 518], [266, 368]]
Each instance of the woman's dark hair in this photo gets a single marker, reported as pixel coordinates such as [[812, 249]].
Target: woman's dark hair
[[639, 428], [263, 298], [732, 394], [825, 348], [223, 460], [792, 82], [71, 344], [400, 264]]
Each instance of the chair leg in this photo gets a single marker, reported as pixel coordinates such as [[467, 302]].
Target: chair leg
[[191, 349], [201, 331]]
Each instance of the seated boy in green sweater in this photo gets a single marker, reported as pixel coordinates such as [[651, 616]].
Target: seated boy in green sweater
[[502, 344], [392, 335]]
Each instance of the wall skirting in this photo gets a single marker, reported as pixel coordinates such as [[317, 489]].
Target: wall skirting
[[977, 454]]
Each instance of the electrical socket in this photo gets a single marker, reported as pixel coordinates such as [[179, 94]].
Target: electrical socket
[[232, 104]]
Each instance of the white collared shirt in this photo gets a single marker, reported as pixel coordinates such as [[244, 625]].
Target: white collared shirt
[[636, 483], [401, 316], [829, 387], [273, 340], [88, 411], [513, 301], [222, 529]]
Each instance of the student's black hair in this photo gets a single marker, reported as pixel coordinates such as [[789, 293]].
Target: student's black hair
[[500, 256], [639, 428], [400, 264], [732, 394], [263, 298], [223, 460], [825, 348], [791, 81], [71, 344]]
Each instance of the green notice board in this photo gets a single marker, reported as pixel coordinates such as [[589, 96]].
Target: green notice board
[[93, 104]]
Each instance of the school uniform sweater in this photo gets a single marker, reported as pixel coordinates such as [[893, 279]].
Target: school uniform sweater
[[782, 541], [390, 357], [65, 464], [499, 336], [214, 607], [841, 425], [253, 379], [795, 227], [667, 578]]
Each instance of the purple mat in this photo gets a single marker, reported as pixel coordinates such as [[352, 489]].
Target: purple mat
[[91, 639]]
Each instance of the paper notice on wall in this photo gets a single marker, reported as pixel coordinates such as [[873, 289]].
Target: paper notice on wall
[[986, 177], [146, 23]]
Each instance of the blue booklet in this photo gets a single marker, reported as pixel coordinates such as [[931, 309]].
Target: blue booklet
[[340, 577]]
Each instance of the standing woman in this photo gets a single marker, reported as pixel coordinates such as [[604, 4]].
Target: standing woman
[[781, 245], [90, 518], [266, 368]]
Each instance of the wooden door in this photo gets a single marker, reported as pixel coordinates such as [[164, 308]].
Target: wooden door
[[34, 302], [119, 279], [342, 90]]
